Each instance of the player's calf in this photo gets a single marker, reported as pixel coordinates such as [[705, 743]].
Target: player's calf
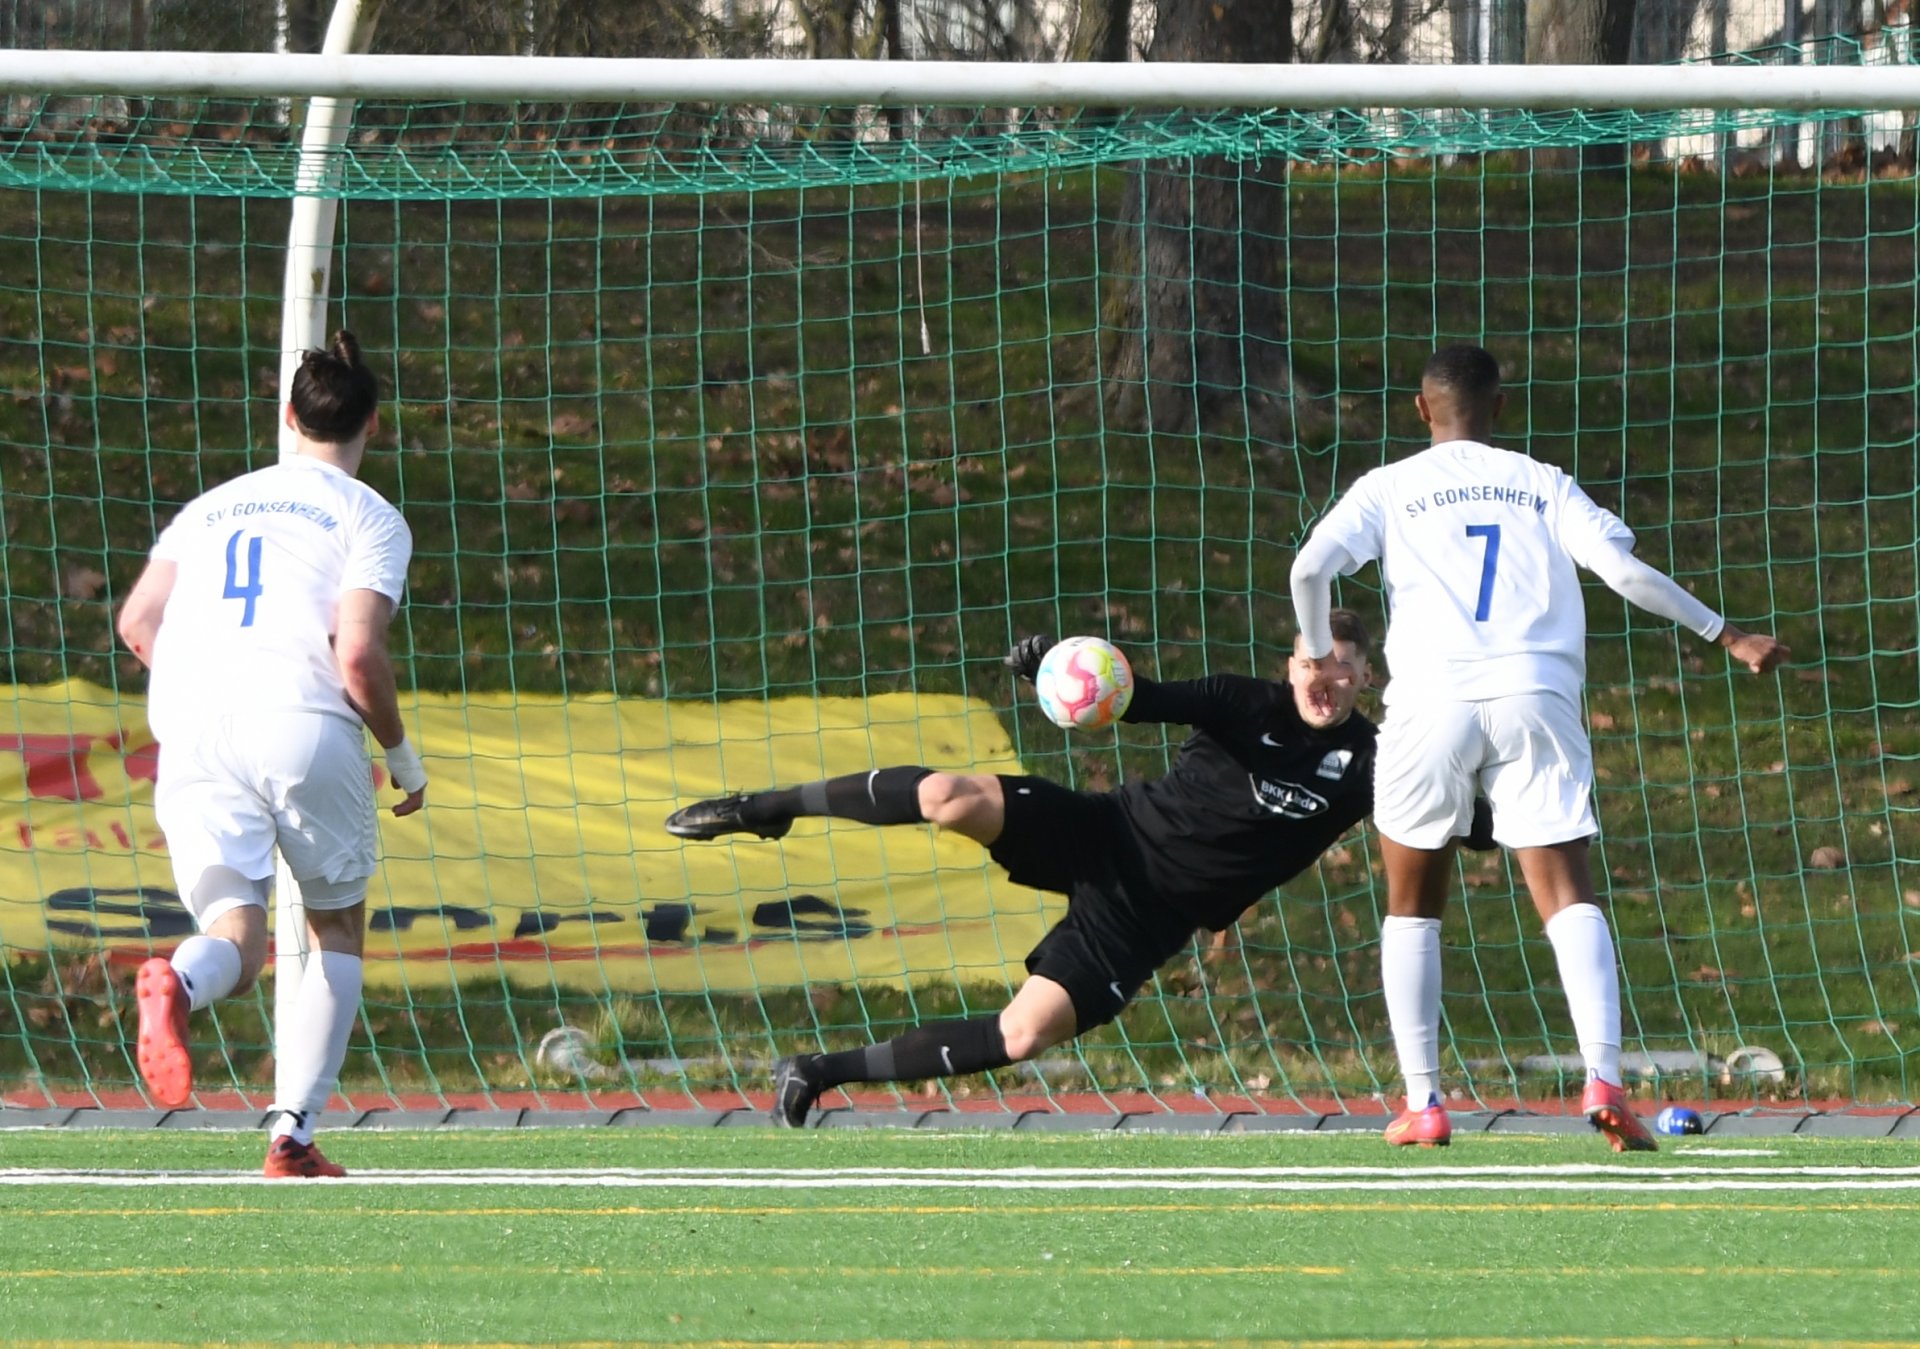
[[204, 968], [882, 796], [939, 1049]]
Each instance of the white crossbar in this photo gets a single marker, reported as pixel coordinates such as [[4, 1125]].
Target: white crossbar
[[959, 83]]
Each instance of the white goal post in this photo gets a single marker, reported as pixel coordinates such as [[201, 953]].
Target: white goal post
[[303, 325]]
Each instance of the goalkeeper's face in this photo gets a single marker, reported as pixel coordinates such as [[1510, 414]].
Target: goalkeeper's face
[[1332, 704]]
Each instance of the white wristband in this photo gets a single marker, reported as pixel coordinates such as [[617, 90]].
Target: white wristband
[[405, 768]]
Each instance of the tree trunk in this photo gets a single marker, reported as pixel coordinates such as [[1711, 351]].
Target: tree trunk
[[1197, 337], [1102, 30], [896, 51], [1581, 32], [1335, 40], [1662, 31], [1393, 38], [306, 25]]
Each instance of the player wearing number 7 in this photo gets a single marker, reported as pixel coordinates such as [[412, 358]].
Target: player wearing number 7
[[1486, 645], [263, 615]]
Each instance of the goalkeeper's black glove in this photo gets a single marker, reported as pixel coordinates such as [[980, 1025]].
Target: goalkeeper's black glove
[[1024, 660]]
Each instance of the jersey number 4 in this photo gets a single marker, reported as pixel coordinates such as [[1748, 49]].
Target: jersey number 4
[[1491, 563], [250, 591]]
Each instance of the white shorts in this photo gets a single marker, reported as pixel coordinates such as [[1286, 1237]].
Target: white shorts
[[299, 781], [1528, 752]]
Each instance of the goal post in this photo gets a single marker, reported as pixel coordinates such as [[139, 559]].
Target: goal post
[[742, 428], [305, 293]]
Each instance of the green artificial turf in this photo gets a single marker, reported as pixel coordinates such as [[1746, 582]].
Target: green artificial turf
[[1359, 1246]]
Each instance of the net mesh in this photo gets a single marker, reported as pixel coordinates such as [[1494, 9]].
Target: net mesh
[[739, 444]]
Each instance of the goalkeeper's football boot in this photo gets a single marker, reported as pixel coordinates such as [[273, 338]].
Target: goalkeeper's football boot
[[1429, 1127], [161, 1049], [288, 1160], [794, 1091], [1606, 1106], [720, 816]]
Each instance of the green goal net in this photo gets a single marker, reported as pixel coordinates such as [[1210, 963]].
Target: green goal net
[[738, 444]]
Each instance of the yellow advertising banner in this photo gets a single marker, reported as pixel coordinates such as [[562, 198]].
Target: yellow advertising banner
[[540, 856]]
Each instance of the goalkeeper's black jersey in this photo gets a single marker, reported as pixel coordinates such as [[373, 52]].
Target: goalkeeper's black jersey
[[1254, 798]]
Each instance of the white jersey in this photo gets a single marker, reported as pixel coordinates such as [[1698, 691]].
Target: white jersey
[[263, 561], [1477, 548]]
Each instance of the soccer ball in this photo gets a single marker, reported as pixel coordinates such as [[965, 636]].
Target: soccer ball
[[1084, 683]]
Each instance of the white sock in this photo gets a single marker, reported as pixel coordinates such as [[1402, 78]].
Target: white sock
[[208, 967], [310, 1045], [1583, 945], [1410, 974], [294, 1124]]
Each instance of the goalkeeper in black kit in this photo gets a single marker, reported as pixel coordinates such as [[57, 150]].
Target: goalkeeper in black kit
[[1272, 775]]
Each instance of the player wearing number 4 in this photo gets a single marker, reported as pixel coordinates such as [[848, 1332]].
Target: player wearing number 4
[[1270, 777], [263, 615], [1486, 644]]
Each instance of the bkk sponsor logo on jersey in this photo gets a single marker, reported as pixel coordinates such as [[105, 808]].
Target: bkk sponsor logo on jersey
[[1288, 798]]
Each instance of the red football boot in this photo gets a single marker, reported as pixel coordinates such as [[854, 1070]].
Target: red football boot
[[1430, 1128], [162, 1048], [1606, 1105], [288, 1160]]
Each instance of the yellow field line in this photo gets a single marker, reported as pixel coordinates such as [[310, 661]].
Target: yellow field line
[[1048, 1268]]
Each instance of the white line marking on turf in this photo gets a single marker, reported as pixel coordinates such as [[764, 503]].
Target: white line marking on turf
[[1613, 1171], [1572, 1177]]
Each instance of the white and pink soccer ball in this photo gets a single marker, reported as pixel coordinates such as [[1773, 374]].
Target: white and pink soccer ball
[[1084, 683]]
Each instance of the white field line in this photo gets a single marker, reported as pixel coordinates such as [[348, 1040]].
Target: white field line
[[1580, 1177], [1615, 1171]]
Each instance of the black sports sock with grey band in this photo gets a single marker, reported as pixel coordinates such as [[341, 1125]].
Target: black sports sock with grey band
[[882, 796]]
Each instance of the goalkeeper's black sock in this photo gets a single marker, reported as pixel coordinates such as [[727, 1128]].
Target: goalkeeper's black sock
[[939, 1049], [883, 796]]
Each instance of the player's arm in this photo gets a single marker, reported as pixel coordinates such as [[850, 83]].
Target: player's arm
[[145, 606], [1612, 560], [366, 668], [1346, 540], [1209, 701], [1319, 560]]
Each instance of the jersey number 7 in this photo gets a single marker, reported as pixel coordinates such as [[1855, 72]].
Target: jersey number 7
[[235, 590], [1491, 533]]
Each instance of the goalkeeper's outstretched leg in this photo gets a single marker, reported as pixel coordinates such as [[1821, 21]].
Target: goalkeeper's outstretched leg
[[971, 805], [1039, 1017]]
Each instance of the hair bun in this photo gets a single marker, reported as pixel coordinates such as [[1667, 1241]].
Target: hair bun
[[346, 347]]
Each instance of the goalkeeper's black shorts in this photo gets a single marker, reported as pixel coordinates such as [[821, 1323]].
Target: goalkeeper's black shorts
[[1115, 934]]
